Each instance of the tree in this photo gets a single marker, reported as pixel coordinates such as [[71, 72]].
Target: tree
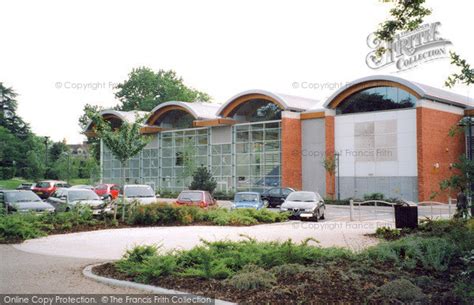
[[203, 180], [144, 90], [124, 142], [94, 143], [8, 116], [407, 15]]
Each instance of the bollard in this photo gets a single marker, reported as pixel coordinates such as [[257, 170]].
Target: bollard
[[351, 209]]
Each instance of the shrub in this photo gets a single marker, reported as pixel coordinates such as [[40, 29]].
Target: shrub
[[401, 290], [432, 253], [252, 277], [18, 227], [139, 253], [288, 270], [374, 196], [387, 233]]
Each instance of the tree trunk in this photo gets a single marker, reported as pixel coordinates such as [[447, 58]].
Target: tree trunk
[[123, 193]]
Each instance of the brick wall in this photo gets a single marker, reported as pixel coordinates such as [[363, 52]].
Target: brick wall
[[330, 147], [435, 146], [291, 158]]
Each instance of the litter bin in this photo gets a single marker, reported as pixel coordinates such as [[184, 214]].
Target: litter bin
[[406, 216]]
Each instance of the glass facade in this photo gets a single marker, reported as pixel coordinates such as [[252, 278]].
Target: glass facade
[[376, 99], [248, 160]]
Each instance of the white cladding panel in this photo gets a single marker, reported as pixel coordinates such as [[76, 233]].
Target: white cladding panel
[[377, 144]]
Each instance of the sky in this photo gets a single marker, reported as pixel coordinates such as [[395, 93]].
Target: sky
[[60, 55]]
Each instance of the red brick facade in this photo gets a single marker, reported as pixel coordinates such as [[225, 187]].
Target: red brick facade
[[436, 151], [291, 157], [330, 148]]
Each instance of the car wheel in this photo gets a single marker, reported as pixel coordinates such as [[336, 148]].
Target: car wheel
[[316, 216], [266, 203], [322, 216]]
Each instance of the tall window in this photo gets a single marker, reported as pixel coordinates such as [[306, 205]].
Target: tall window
[[377, 99]]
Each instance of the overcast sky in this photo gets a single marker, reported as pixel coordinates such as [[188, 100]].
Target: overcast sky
[[220, 47]]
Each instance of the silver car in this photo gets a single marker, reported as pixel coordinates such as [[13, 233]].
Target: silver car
[[144, 194], [304, 205], [65, 199]]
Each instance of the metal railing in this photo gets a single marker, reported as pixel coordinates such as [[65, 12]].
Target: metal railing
[[428, 209]]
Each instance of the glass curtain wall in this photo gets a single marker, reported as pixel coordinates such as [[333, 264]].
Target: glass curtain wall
[[257, 155], [249, 162]]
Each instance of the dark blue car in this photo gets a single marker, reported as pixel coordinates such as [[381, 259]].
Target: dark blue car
[[249, 200]]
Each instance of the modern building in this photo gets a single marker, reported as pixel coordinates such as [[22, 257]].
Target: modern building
[[377, 134]]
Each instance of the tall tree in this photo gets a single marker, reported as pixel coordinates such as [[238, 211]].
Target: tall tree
[[145, 89], [407, 15], [124, 142], [8, 116]]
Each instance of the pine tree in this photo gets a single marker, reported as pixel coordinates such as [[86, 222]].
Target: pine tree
[[203, 180]]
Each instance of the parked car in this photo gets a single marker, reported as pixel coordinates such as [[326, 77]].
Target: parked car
[[250, 200], [202, 199], [45, 188], [65, 199], [107, 191], [83, 186], [142, 193], [26, 186], [23, 201], [304, 205], [275, 196]]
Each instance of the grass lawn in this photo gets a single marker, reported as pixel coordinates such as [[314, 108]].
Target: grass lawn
[[11, 183]]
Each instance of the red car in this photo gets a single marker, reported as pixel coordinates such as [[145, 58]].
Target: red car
[[107, 191], [45, 188], [198, 198]]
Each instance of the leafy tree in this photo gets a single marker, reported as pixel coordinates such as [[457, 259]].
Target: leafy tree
[[8, 116], [407, 15], [56, 150], [203, 180], [94, 143], [124, 142], [144, 90]]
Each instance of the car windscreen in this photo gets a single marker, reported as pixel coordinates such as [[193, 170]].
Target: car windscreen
[[246, 197], [301, 196], [190, 196], [76, 195], [43, 184], [21, 196], [139, 191]]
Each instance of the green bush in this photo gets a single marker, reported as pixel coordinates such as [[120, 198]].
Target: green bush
[[432, 253], [220, 195], [252, 277], [387, 233], [162, 214], [288, 270], [223, 259], [18, 227], [400, 290], [374, 196]]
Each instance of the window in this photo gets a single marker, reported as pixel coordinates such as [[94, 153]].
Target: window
[[376, 99]]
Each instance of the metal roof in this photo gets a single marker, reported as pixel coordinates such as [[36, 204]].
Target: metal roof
[[197, 109], [425, 91]]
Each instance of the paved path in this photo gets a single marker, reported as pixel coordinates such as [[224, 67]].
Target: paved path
[[111, 244], [22, 272]]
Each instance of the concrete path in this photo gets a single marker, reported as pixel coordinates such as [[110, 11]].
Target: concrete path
[[22, 272], [111, 244]]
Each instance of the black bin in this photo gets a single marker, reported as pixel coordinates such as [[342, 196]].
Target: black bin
[[406, 216]]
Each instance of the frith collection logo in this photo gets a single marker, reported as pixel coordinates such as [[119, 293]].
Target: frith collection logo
[[408, 49]]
